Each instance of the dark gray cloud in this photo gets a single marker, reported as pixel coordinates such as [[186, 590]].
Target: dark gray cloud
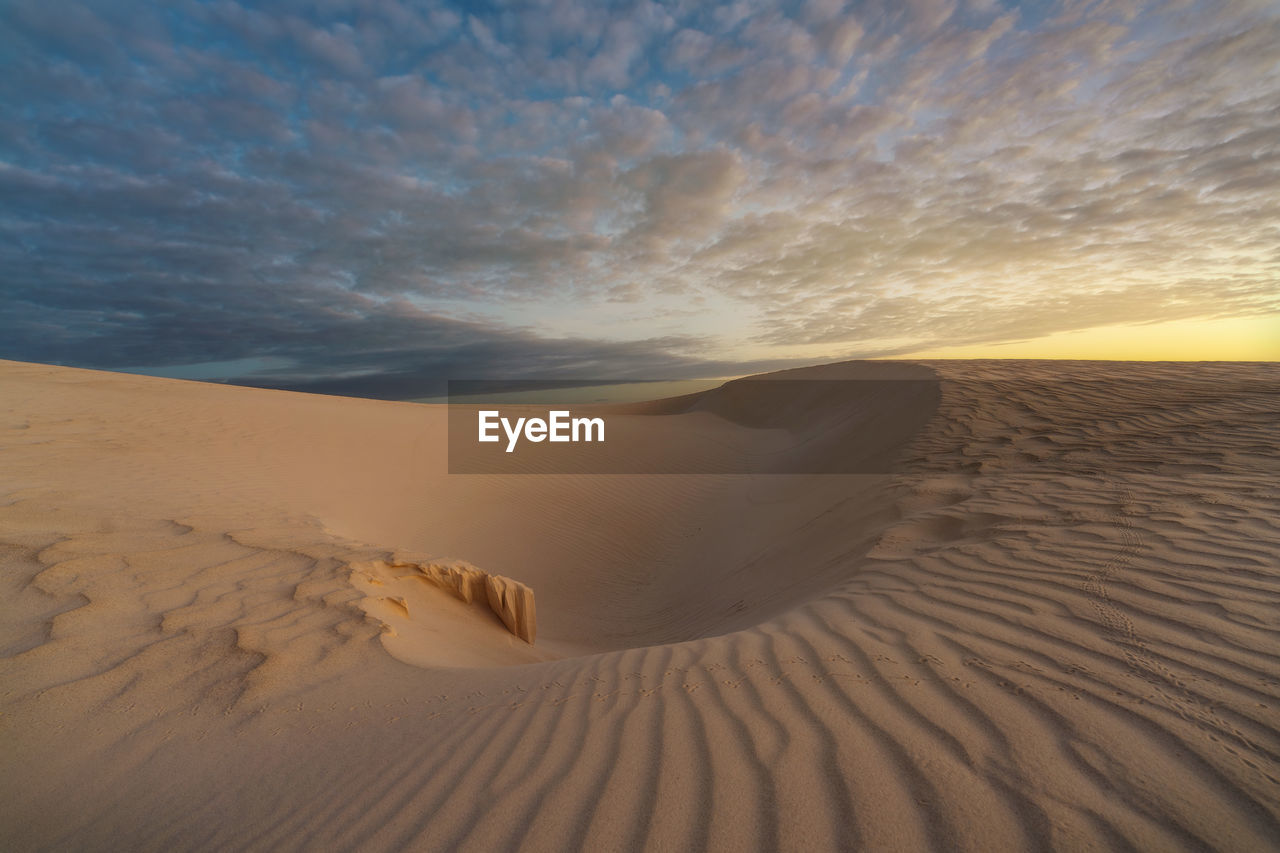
[[373, 190]]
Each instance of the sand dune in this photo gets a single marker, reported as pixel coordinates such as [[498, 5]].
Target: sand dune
[[244, 619]]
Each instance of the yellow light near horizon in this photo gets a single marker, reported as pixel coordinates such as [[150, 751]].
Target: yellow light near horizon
[[1237, 339]]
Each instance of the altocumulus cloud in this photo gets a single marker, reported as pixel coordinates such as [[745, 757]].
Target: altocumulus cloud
[[371, 194]]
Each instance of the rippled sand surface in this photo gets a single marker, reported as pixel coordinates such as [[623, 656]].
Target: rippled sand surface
[[1056, 623]]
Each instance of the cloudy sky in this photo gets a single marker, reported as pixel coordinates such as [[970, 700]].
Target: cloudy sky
[[352, 195]]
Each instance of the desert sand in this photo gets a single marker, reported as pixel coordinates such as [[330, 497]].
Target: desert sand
[[248, 619]]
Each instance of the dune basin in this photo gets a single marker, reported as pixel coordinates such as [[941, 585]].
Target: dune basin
[[976, 605]]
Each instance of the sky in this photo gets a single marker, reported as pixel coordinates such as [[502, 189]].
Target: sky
[[363, 196]]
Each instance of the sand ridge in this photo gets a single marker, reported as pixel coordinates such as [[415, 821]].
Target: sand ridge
[[1055, 625]]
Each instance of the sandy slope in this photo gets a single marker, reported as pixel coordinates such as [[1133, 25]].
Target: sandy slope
[[1060, 624]]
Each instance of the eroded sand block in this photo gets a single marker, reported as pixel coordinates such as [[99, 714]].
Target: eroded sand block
[[510, 600], [513, 602]]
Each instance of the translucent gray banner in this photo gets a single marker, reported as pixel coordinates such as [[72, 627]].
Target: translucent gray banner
[[777, 425], [746, 426]]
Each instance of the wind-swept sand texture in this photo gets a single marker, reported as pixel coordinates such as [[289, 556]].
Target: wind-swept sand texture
[[243, 619]]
